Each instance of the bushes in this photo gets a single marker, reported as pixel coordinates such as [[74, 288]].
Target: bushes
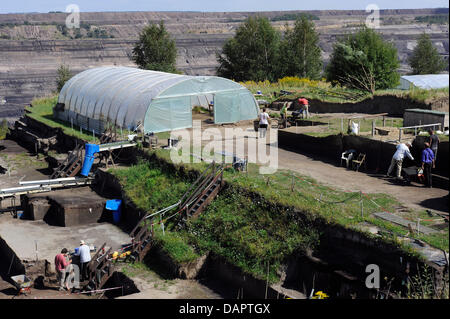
[[3, 129]]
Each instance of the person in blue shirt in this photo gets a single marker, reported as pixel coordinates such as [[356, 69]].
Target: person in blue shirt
[[85, 257], [427, 163]]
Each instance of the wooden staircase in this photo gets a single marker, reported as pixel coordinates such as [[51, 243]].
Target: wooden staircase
[[100, 269], [201, 193], [71, 165], [193, 202]]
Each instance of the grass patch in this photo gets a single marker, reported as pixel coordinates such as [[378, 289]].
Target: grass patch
[[327, 92], [249, 234], [3, 129], [174, 244], [42, 111], [149, 187]]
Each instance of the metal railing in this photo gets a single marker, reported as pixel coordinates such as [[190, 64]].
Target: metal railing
[[415, 127]]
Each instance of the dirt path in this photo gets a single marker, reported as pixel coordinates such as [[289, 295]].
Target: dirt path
[[413, 196], [330, 173]]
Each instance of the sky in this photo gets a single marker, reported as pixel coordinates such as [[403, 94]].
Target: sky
[[16, 6]]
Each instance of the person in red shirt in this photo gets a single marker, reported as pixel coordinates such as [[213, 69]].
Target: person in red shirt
[[61, 264], [304, 107]]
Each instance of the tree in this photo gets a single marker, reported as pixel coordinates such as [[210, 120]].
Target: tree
[[300, 54], [425, 58], [252, 54], [364, 61], [155, 49], [63, 76]]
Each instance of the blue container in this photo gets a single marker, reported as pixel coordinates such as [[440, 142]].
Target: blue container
[[114, 205], [91, 149]]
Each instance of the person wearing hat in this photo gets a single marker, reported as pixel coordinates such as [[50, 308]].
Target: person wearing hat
[[85, 257], [397, 159]]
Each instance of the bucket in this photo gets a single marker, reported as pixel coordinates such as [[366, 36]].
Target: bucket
[[91, 149], [114, 206]]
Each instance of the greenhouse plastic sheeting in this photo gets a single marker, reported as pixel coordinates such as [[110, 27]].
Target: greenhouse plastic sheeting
[[130, 97], [425, 81]]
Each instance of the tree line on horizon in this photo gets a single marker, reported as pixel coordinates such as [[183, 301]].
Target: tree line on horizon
[[258, 52]]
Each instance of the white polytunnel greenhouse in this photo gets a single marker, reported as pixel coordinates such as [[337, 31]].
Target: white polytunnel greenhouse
[[151, 101]]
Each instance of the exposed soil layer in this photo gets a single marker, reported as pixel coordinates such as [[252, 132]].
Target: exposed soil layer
[[378, 153], [10, 264]]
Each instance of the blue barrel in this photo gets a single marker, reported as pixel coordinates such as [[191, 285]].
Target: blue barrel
[[114, 206], [91, 149]]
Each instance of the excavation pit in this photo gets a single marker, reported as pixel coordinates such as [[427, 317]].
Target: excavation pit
[[68, 207]]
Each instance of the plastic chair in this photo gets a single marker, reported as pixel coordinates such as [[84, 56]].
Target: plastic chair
[[347, 156]]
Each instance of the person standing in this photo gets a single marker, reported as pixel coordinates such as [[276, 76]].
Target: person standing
[[283, 113], [434, 143], [427, 164], [263, 123], [397, 159], [304, 104], [85, 257], [61, 264]]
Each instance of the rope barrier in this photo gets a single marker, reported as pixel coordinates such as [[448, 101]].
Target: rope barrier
[[365, 195]]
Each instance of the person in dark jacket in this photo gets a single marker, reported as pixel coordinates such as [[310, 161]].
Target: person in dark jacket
[[434, 144], [427, 163]]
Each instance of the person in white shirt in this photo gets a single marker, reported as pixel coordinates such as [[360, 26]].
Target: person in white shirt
[[263, 123], [397, 159], [85, 257]]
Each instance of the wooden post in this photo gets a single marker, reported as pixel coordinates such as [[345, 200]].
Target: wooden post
[[292, 185], [361, 204], [267, 280], [399, 134], [384, 120], [373, 128]]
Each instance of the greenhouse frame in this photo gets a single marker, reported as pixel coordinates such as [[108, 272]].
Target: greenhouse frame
[[150, 101]]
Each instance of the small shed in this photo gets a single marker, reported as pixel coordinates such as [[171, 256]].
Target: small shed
[[413, 117], [423, 81]]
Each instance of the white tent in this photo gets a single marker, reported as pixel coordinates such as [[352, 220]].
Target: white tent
[[425, 81]]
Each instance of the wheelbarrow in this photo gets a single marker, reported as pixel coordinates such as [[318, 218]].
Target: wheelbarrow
[[22, 283]]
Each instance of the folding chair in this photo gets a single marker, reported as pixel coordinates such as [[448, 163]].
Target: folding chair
[[360, 160]]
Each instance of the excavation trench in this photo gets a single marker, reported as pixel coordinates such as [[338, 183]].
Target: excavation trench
[[337, 265]]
